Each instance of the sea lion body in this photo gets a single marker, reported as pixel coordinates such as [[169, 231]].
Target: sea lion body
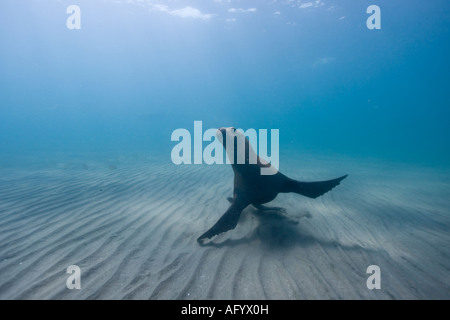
[[253, 188]]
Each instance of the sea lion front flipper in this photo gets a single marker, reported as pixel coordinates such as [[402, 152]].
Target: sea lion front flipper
[[227, 222]]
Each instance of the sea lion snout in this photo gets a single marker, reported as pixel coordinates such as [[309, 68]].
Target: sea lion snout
[[221, 130], [221, 133], [224, 133]]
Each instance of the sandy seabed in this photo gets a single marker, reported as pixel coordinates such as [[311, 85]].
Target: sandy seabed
[[131, 226]]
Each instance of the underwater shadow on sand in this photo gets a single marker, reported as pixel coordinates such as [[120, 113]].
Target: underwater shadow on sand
[[276, 234]]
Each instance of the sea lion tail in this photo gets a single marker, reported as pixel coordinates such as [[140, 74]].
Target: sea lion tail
[[312, 189]]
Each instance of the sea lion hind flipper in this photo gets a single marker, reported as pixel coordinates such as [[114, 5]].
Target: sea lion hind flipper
[[312, 189], [261, 207], [227, 222]]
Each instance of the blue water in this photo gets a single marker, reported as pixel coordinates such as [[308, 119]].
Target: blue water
[[136, 71], [86, 177]]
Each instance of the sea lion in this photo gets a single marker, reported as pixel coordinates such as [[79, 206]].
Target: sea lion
[[253, 188]]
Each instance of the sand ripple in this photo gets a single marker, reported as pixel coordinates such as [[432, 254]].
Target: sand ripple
[[132, 229]]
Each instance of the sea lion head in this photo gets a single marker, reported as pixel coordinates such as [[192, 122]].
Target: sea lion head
[[236, 145], [228, 134], [240, 151]]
